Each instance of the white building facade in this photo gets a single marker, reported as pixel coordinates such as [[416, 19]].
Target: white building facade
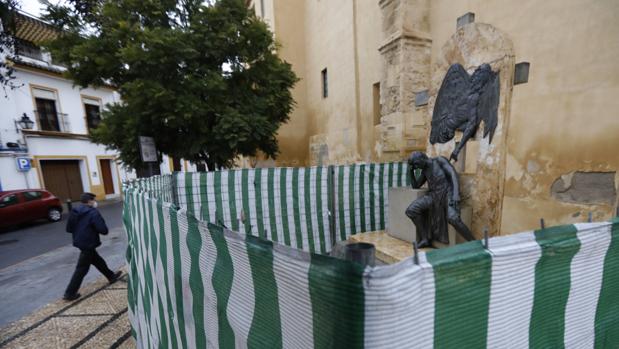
[[55, 153]]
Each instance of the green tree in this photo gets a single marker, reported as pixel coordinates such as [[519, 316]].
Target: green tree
[[8, 50], [203, 79]]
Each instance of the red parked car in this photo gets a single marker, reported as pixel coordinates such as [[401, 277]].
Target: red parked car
[[20, 206]]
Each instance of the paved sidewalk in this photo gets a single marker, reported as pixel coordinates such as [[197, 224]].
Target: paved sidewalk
[[28, 286], [97, 320], [46, 260]]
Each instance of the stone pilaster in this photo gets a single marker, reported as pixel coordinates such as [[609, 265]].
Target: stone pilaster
[[406, 71]]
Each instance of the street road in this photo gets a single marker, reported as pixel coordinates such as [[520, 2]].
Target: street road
[[37, 261]]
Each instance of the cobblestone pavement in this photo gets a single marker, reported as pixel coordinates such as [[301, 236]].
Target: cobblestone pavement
[[35, 270], [96, 320]]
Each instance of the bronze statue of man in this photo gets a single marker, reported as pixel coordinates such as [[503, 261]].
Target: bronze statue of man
[[431, 212]]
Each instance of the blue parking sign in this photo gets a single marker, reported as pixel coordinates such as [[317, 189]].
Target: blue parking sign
[[23, 164]]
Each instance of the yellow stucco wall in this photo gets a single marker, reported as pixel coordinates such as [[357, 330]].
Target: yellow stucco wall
[[369, 37], [293, 136], [565, 118], [343, 37], [330, 45], [286, 20]]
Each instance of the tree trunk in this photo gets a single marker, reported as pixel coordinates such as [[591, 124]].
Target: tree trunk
[[210, 164]]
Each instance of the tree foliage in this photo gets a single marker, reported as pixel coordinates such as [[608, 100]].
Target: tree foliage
[[203, 79], [7, 44]]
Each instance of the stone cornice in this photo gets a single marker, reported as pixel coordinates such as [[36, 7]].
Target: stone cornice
[[49, 71], [413, 35], [55, 134]]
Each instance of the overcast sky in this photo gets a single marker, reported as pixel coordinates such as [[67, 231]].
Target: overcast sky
[[32, 7]]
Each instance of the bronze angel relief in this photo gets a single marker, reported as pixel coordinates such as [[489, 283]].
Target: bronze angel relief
[[463, 102]]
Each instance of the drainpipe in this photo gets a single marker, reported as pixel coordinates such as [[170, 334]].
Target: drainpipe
[[359, 126]]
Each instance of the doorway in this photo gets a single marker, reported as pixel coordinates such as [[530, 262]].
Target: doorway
[[63, 178], [106, 176]]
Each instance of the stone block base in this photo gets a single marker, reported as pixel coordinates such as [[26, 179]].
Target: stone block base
[[399, 225]]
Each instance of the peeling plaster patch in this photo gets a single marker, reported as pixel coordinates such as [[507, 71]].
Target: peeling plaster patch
[[529, 183], [323, 154], [514, 169], [566, 180], [486, 152], [532, 166], [585, 188], [378, 148]]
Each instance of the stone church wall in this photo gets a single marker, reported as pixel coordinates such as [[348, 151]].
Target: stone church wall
[[555, 152]]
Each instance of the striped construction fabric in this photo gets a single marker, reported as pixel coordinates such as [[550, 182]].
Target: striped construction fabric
[[360, 190], [159, 187], [553, 288], [291, 205], [285, 205], [198, 285]]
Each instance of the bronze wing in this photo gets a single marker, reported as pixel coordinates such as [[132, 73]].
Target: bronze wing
[[454, 89], [487, 108]]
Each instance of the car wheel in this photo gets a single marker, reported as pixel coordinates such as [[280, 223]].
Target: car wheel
[[54, 214]]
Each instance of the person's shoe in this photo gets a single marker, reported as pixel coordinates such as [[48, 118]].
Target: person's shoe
[[116, 277], [71, 297]]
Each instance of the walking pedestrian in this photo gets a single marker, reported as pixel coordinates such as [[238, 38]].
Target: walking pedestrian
[[85, 223]]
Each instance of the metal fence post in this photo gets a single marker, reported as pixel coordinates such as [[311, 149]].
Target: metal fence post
[[415, 253], [486, 238], [174, 189], [331, 194]]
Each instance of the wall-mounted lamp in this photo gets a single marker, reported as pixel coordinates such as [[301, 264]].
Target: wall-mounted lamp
[[24, 123]]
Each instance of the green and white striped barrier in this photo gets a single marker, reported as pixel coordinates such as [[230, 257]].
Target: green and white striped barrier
[[361, 202], [193, 285], [160, 187], [291, 205], [285, 205]]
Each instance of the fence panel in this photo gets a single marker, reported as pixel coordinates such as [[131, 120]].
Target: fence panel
[[290, 206], [361, 200], [198, 285]]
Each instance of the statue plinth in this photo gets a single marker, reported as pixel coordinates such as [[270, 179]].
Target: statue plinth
[[400, 226]]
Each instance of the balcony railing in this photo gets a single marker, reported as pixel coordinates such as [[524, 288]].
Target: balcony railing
[[33, 54], [47, 122], [28, 49]]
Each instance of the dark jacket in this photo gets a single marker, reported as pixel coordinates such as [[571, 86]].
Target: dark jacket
[[86, 223]]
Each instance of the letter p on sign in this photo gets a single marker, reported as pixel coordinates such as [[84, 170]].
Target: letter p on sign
[[23, 164]]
